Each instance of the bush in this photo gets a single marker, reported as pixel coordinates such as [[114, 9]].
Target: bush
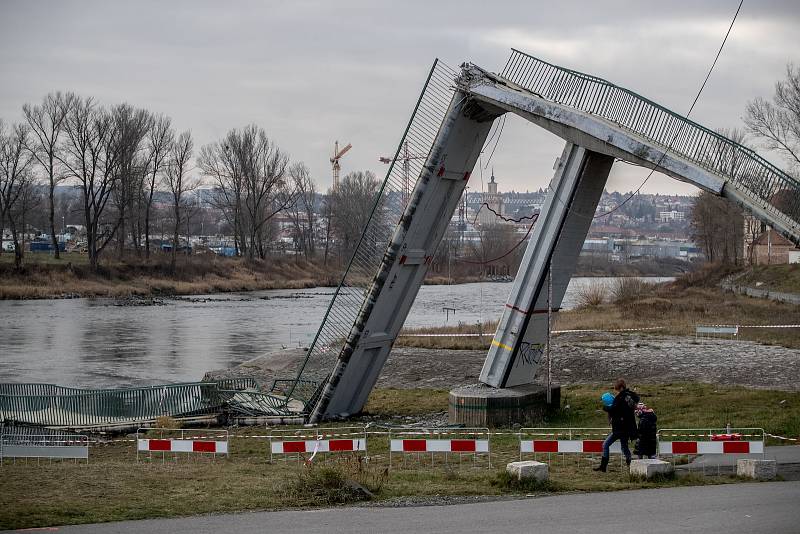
[[345, 483], [629, 289], [592, 295]]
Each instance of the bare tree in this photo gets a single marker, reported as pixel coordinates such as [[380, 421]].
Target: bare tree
[[253, 185], [46, 121], [351, 203], [777, 123], [90, 155], [302, 212], [160, 138], [130, 126], [218, 162], [717, 224], [178, 183], [15, 181]]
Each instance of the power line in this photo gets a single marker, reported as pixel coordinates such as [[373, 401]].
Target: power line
[[683, 125]]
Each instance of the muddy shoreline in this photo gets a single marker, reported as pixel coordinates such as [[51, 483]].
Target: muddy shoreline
[[577, 359]]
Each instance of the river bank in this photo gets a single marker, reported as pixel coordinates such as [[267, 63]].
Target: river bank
[[43, 277]]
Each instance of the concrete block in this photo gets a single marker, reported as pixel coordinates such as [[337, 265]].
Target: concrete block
[[757, 469], [649, 468], [529, 470]]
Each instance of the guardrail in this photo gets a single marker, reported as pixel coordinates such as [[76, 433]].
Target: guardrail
[[49, 445], [442, 441], [564, 440], [680, 135], [315, 441], [695, 441], [181, 441]]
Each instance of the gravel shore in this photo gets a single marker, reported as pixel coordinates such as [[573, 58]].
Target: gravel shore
[[580, 358]]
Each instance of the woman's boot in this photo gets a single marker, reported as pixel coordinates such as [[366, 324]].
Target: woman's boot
[[603, 464]]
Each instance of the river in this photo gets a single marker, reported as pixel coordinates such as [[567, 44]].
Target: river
[[110, 343]]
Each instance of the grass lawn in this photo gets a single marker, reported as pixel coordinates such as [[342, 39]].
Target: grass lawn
[[114, 486]]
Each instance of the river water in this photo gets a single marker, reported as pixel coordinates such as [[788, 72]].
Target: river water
[[109, 343]]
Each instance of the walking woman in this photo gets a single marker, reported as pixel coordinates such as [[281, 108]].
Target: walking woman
[[623, 422]]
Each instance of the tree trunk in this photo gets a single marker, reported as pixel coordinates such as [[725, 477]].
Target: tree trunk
[[52, 213]]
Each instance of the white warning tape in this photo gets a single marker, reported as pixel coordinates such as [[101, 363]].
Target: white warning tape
[[755, 325], [781, 437], [461, 334]]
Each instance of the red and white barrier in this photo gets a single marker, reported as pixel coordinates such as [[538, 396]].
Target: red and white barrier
[[318, 445], [711, 447], [182, 445], [439, 445], [583, 446]]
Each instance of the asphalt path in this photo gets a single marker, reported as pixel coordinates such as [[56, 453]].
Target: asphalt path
[[772, 507]]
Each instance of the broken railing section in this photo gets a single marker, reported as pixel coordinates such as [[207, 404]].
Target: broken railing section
[[352, 292]]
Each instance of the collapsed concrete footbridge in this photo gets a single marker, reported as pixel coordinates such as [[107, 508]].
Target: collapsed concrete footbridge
[[599, 122]]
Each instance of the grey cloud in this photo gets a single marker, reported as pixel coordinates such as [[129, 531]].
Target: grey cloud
[[314, 72]]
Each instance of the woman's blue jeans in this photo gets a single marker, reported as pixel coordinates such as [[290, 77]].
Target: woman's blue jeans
[[623, 442]]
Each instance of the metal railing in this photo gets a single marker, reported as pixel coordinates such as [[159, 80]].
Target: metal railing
[[705, 148], [51, 405], [389, 206]]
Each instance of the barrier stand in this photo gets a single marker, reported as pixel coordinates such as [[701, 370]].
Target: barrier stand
[[694, 442], [314, 441], [418, 441], [61, 446], [567, 442], [170, 440]]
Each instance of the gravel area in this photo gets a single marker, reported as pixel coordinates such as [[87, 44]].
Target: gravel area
[[581, 358]]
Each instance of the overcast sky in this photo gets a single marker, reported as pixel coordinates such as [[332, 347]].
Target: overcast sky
[[310, 72]]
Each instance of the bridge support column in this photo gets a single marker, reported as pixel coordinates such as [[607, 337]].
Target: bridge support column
[[517, 348], [405, 263]]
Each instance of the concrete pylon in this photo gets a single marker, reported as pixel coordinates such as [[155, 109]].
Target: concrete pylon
[[517, 348], [405, 262]]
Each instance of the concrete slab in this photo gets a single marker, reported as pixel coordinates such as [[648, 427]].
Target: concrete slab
[[757, 469], [528, 470], [648, 468]]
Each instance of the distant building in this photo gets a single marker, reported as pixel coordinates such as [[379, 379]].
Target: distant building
[[494, 201], [672, 215], [772, 248]]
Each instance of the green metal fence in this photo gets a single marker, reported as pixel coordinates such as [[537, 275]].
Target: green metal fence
[[52, 405]]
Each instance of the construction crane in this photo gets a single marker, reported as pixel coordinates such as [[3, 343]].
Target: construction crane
[[337, 155], [405, 156]]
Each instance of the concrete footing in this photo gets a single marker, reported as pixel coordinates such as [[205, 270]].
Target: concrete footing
[[529, 470], [649, 468], [485, 406], [756, 469]]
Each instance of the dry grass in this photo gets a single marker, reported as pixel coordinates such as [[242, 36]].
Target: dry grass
[[194, 275], [676, 307], [773, 277], [592, 295], [630, 289]]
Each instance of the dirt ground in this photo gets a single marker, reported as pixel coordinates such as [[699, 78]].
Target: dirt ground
[[580, 358]]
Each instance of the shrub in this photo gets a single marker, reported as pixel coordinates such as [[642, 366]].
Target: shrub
[[592, 295], [629, 289], [344, 483]]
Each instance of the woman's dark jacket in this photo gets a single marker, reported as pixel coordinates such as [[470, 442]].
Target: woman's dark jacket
[[621, 413]]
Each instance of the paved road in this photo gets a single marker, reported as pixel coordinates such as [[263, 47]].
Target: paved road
[[747, 508]]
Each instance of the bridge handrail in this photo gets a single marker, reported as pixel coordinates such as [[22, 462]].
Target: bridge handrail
[[702, 146], [385, 212], [52, 405]]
